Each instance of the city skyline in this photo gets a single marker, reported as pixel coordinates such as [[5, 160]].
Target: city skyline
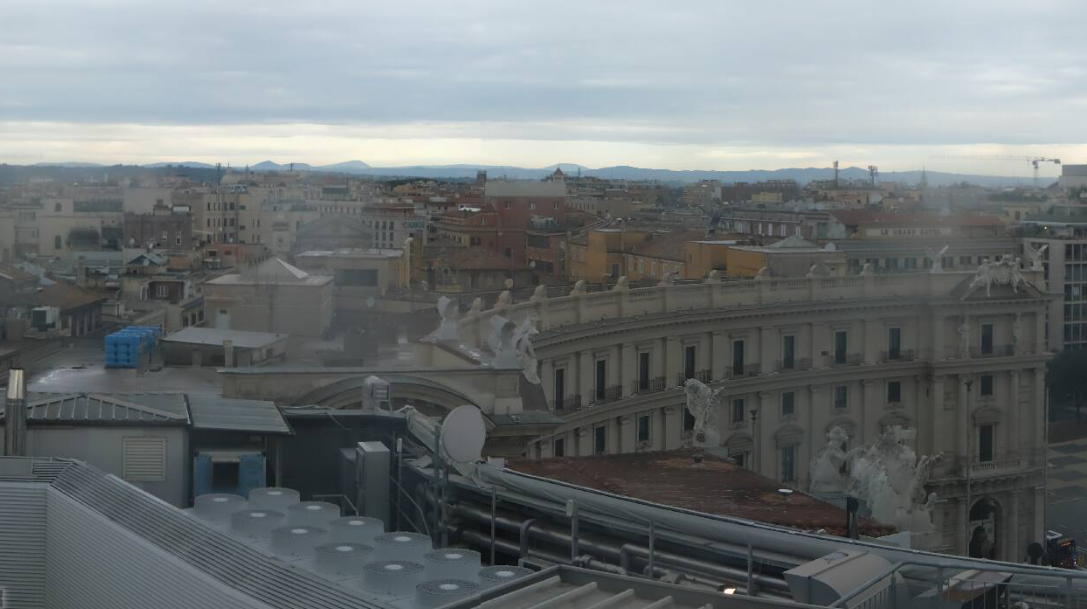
[[712, 86]]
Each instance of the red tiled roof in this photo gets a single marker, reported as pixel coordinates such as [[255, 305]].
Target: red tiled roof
[[66, 297], [669, 247], [715, 486], [854, 217]]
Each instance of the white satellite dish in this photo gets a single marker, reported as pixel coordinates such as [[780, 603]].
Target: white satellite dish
[[463, 434]]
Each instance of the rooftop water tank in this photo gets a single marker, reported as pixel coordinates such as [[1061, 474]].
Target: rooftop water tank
[[217, 507], [500, 575], [402, 545], [297, 541], [341, 559], [452, 563], [273, 498], [441, 592], [392, 577], [255, 523], [357, 529], [313, 513]]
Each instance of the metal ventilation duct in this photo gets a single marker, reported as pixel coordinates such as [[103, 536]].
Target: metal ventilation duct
[[341, 559], [15, 414], [295, 541], [438, 593], [218, 507], [402, 545], [255, 523], [392, 577], [273, 498], [356, 529], [312, 513], [452, 563]]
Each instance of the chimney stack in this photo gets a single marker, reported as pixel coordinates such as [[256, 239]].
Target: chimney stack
[[15, 414]]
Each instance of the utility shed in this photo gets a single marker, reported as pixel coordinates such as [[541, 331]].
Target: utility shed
[[197, 347]]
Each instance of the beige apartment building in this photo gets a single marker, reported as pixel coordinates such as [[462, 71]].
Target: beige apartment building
[[272, 296]]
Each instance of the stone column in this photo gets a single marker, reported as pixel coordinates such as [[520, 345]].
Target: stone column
[[962, 424], [766, 349], [626, 442], [815, 401], [869, 400], [870, 344], [585, 381], [673, 360], [764, 448], [817, 343], [937, 440], [719, 345], [1015, 420], [1013, 550], [628, 368], [963, 518], [547, 381], [937, 336]]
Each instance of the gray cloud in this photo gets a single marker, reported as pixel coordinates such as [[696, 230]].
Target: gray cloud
[[712, 72]]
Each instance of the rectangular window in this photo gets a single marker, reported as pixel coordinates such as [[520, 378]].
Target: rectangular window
[[964, 261], [689, 361], [788, 464], [737, 358], [558, 448], [841, 397], [601, 378], [643, 428], [161, 290], [840, 343], [986, 442], [738, 414], [143, 459], [894, 392], [986, 385], [911, 263], [643, 371], [600, 440], [986, 339], [560, 388], [788, 352], [788, 404], [894, 343]]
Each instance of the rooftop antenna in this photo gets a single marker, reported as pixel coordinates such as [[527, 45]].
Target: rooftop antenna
[[873, 171], [835, 174]]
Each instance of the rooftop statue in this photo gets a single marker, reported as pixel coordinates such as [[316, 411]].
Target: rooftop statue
[[1002, 272], [449, 311], [1035, 255], [702, 404], [888, 476], [511, 345]]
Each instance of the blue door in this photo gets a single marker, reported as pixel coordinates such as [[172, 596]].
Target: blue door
[[250, 473], [202, 478]]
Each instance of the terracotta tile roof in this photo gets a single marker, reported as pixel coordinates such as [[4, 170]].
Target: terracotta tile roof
[[855, 217], [477, 258], [65, 296], [15, 274], [669, 247], [715, 486]]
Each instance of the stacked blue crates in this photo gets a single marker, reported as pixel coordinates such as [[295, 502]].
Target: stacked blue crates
[[124, 346]]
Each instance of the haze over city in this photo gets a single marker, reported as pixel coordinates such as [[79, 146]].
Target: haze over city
[[700, 85]]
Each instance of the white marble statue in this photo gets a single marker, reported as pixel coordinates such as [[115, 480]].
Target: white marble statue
[[669, 279], [1035, 255], [888, 477], [1001, 272], [964, 338], [937, 258], [511, 345], [449, 311], [829, 466], [702, 404]]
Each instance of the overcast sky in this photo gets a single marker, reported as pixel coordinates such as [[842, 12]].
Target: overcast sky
[[713, 84]]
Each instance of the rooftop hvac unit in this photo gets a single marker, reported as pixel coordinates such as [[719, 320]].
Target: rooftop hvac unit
[[500, 575], [827, 579], [372, 467], [43, 318], [402, 545], [438, 593], [297, 541], [255, 523], [273, 498], [341, 559], [392, 577], [217, 507], [356, 529], [452, 563], [375, 394], [312, 513]]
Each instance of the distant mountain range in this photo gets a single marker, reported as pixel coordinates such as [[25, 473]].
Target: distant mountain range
[[621, 172]]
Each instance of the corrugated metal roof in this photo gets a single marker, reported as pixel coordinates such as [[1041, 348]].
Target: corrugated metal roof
[[259, 416], [143, 408]]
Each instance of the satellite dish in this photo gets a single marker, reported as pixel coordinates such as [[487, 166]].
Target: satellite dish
[[463, 434]]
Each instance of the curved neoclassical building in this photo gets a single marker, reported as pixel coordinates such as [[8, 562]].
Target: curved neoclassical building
[[791, 358]]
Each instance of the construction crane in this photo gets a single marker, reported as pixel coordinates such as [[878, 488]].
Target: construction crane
[[1033, 160]]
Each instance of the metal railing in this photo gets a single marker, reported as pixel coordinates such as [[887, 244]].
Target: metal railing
[[566, 403], [611, 393], [848, 359], [735, 372], [795, 364], [992, 351], [901, 355]]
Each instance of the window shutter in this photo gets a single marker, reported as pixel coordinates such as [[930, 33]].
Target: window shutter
[[144, 459]]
